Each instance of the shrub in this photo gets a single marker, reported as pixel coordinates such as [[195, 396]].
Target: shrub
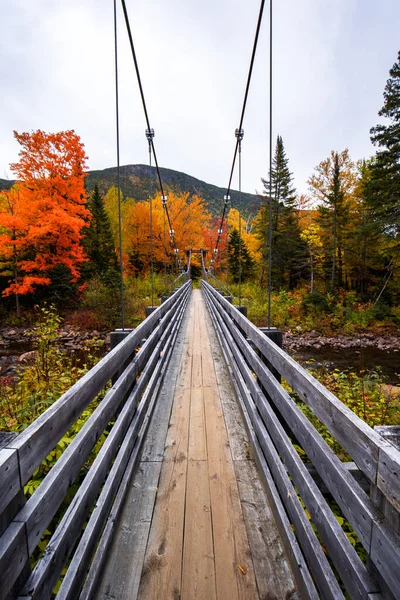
[[316, 303]]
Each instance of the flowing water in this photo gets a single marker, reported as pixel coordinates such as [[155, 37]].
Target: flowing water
[[356, 359]]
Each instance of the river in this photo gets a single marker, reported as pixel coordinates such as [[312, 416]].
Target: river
[[357, 359]]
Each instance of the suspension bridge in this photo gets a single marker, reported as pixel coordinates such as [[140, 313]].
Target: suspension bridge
[[213, 480], [199, 490]]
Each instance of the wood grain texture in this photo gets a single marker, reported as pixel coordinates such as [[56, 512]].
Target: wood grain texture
[[122, 573], [163, 561], [198, 568], [122, 576], [353, 434]]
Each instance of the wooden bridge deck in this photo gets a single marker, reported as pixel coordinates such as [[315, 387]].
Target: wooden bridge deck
[[196, 523]]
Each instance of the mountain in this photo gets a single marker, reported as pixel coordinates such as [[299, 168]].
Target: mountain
[[6, 184], [140, 182]]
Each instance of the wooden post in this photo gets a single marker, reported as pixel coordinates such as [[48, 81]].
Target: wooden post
[[243, 310], [277, 337], [392, 435], [10, 512], [116, 338]]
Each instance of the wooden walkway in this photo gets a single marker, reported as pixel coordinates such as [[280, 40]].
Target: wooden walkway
[[196, 524]]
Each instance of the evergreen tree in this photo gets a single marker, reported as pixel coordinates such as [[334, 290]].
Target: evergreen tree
[[288, 249], [384, 186], [98, 239], [236, 249]]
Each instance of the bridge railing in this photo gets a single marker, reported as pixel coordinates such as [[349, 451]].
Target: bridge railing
[[123, 414], [301, 490]]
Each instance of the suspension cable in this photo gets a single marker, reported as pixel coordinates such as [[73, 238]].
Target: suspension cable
[[227, 196], [270, 169], [150, 135], [163, 196], [118, 169], [239, 133]]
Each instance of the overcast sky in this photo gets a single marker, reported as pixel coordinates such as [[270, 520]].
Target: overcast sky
[[331, 62]]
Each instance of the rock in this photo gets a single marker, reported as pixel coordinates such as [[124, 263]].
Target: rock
[[28, 357]]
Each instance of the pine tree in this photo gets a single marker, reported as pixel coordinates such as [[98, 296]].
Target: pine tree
[[384, 186], [237, 249], [98, 242], [287, 246]]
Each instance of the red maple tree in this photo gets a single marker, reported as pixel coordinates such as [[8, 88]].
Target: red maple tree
[[44, 226]]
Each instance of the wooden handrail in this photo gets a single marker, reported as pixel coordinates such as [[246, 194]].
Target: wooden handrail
[[130, 402], [272, 413]]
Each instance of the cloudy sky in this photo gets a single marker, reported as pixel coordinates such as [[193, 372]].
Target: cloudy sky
[[331, 62]]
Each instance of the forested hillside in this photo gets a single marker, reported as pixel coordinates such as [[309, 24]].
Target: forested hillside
[[333, 252], [139, 182]]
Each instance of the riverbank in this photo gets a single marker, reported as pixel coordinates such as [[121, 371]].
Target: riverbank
[[293, 342], [16, 344]]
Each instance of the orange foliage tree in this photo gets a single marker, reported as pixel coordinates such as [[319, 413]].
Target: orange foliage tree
[[189, 218], [41, 220]]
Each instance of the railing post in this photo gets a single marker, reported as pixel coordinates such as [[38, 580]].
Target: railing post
[[277, 337], [116, 337], [392, 435], [13, 507]]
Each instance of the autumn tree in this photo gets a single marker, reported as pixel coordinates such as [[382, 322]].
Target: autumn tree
[[12, 233], [311, 235], [332, 186], [189, 217], [51, 208]]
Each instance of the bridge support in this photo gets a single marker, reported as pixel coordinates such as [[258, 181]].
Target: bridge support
[[116, 337], [12, 509], [150, 309], [275, 336], [382, 500]]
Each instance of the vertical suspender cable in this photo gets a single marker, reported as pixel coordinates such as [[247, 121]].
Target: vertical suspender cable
[[149, 136], [239, 133], [118, 169], [270, 168], [165, 255], [240, 227]]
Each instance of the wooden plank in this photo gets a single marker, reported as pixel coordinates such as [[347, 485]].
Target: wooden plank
[[9, 477], [198, 573], [46, 572], [231, 546], [153, 448], [162, 565], [349, 566], [197, 432], [385, 553], [388, 480], [122, 574], [44, 503], [319, 566], [350, 467], [271, 567], [13, 557], [353, 434], [354, 503], [304, 581], [37, 440], [103, 549]]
